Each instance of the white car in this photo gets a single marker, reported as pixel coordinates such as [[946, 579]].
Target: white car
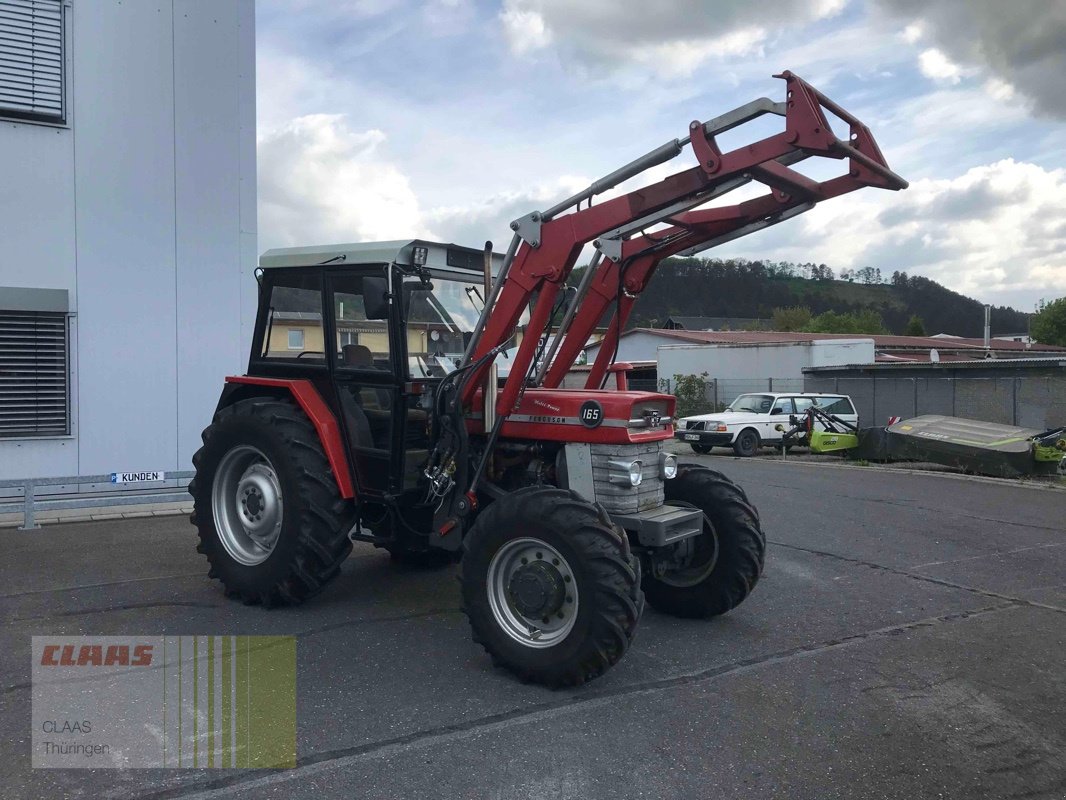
[[756, 420]]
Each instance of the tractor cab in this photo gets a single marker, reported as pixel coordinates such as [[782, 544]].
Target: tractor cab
[[373, 327]]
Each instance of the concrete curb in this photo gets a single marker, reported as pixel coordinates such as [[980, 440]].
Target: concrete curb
[[103, 514]]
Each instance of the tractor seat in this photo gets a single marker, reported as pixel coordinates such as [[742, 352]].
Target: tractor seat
[[358, 356]]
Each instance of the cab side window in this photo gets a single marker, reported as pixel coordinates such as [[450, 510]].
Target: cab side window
[[802, 404], [361, 343], [294, 319]]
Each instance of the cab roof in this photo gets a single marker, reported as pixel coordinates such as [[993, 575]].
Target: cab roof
[[397, 251]]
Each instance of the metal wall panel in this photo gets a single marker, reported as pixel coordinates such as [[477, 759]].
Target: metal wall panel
[[208, 248], [1035, 401], [124, 137]]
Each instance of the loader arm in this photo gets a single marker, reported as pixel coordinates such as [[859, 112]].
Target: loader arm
[[546, 245]]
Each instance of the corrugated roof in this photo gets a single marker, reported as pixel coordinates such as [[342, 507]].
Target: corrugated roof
[[1046, 361], [880, 341]]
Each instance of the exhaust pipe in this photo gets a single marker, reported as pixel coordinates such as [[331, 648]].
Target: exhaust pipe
[[491, 381]]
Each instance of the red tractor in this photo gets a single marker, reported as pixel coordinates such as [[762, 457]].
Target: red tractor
[[371, 410]]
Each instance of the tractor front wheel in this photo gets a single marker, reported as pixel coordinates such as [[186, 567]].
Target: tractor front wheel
[[268, 511], [724, 562], [550, 587]]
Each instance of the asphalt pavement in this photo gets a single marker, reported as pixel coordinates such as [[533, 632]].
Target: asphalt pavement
[[906, 641]]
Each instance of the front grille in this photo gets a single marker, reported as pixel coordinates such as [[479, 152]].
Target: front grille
[[694, 425], [618, 499]]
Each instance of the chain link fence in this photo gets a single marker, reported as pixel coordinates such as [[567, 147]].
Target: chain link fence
[[704, 395]]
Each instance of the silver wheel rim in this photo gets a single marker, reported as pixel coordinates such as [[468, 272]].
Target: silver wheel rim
[[507, 564], [246, 505]]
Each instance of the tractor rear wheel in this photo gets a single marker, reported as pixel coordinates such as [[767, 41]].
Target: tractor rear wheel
[[271, 519], [726, 559], [550, 586]]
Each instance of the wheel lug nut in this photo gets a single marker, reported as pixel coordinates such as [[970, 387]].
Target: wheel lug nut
[[540, 556], [566, 578], [560, 615], [525, 560], [546, 620], [569, 599], [555, 561]]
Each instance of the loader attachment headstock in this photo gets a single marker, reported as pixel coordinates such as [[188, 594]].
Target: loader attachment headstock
[[546, 245]]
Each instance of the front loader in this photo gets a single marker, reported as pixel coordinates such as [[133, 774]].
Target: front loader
[[370, 410]]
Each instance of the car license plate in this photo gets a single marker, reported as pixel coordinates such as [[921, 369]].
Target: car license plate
[[692, 437]]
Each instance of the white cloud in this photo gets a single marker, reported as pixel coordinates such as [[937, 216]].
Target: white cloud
[[672, 38], [994, 232], [913, 32], [489, 218], [999, 90], [680, 58], [934, 64], [1022, 42], [321, 182], [525, 30]]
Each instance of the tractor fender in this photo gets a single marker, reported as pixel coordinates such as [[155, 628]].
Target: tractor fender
[[325, 422]]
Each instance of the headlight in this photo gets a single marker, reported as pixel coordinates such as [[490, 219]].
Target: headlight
[[625, 473], [636, 473], [682, 424], [668, 465]]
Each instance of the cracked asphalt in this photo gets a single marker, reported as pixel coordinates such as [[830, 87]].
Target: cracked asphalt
[[906, 641]]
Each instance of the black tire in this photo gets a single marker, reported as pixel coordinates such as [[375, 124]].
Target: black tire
[[747, 443], [315, 519], [702, 449], [605, 572], [741, 547]]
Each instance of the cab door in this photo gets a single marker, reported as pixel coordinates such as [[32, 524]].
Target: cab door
[[366, 378]]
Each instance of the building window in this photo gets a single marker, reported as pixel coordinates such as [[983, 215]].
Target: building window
[[296, 339], [34, 385], [32, 60]]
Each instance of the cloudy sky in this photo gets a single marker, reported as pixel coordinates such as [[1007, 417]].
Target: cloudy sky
[[448, 118]]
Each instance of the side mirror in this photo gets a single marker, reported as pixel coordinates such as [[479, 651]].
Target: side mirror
[[376, 298]]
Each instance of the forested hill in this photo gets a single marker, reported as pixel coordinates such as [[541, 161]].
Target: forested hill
[[754, 289]]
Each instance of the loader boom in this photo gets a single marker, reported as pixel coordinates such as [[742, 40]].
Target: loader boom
[[546, 246]]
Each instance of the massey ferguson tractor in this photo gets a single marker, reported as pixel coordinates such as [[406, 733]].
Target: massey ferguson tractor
[[371, 410]]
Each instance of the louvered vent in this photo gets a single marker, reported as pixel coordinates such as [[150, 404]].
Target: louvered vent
[[31, 60], [33, 374]]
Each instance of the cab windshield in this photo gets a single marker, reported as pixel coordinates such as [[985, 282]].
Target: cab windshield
[[757, 403], [440, 318]]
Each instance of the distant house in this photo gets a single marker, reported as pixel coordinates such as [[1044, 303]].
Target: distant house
[[1014, 337], [642, 344], [716, 324]]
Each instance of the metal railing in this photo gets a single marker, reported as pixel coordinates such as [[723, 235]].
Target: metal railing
[[30, 504]]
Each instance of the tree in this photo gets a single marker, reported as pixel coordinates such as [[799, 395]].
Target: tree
[[831, 322], [691, 392], [1049, 323], [793, 318], [915, 327]]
